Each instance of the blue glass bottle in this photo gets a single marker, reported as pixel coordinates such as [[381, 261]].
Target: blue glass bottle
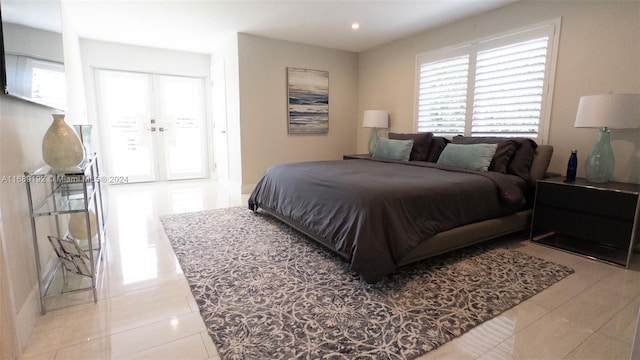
[[572, 166]]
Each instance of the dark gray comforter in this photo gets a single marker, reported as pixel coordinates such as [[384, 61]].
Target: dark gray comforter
[[374, 212]]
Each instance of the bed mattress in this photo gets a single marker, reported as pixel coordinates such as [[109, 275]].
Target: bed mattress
[[374, 212]]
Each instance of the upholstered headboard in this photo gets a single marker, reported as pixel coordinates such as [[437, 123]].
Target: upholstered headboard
[[540, 163], [510, 161]]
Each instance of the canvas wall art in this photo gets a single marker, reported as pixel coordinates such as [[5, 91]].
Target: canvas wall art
[[308, 94]]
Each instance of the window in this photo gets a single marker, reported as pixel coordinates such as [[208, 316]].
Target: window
[[500, 86]]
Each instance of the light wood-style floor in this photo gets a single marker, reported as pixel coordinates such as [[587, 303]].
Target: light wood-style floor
[[146, 310]]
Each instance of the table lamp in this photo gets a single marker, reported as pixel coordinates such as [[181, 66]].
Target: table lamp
[[606, 111], [375, 119]]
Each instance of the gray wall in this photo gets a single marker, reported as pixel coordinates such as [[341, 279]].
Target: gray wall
[[263, 66], [598, 53]]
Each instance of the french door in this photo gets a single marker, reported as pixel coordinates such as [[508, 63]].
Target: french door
[[153, 126]]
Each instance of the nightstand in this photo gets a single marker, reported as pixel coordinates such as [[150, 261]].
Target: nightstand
[[355, 156], [599, 221]]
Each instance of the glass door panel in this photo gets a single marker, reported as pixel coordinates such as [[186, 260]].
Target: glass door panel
[[182, 133], [125, 109]]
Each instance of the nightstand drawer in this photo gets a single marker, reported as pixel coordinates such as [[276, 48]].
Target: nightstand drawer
[[612, 204], [606, 231]]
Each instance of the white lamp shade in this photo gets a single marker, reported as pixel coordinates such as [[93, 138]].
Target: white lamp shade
[[615, 111], [376, 119]]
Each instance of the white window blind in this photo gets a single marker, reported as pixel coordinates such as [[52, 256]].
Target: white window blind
[[509, 85], [442, 98], [499, 87]]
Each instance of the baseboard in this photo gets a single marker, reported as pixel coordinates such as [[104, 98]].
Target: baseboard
[[27, 318]]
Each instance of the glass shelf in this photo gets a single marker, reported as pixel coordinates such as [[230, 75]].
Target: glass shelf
[[67, 189], [66, 199], [46, 171]]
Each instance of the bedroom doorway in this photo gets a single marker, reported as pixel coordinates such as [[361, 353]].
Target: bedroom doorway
[[152, 125]]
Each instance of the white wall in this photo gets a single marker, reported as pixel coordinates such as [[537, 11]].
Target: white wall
[[24, 40], [76, 112], [599, 52], [263, 104], [228, 119], [22, 126], [21, 123], [108, 55]]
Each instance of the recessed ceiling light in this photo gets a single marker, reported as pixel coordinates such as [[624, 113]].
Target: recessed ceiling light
[[355, 26]]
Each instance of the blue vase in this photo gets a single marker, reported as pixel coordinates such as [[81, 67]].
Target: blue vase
[[600, 162]]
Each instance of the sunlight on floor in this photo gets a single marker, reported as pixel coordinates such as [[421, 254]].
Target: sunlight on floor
[[136, 206]]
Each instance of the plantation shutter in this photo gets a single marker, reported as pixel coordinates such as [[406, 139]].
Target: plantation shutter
[[442, 99], [509, 84], [500, 86]]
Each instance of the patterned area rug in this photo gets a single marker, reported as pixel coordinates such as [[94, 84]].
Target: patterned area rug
[[265, 291]]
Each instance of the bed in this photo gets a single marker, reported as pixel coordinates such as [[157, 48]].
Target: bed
[[382, 213]]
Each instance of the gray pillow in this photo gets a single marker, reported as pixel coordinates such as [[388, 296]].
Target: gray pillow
[[468, 156], [393, 149], [518, 161], [435, 149], [421, 144]]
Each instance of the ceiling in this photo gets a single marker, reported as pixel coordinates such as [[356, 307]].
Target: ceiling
[[201, 25]]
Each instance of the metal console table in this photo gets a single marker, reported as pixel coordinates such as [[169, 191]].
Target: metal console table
[[72, 265]]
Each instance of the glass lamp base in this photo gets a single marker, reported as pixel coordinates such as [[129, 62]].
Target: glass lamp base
[[373, 140], [600, 162]]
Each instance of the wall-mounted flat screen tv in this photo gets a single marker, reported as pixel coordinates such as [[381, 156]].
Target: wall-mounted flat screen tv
[[32, 53]]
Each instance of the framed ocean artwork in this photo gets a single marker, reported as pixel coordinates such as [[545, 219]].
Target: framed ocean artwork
[[308, 101]]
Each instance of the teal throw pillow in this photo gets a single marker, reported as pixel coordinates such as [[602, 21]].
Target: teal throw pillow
[[468, 156], [393, 149]]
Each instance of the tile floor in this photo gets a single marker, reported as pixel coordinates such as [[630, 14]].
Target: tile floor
[[146, 311]]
